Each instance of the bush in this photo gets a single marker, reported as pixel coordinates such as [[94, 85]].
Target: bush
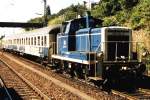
[[122, 16], [141, 15], [57, 20], [110, 21]]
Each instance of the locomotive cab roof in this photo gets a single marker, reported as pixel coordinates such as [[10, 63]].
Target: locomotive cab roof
[[74, 25]]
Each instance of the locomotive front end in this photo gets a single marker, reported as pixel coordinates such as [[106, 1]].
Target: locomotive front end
[[121, 61]]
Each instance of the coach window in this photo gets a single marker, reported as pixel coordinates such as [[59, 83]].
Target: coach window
[[45, 40], [14, 42], [19, 41], [38, 40], [22, 40], [32, 41], [42, 40], [27, 41]]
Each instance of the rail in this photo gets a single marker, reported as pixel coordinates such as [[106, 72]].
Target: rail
[[141, 94], [27, 82], [5, 88], [123, 95], [145, 91], [59, 83]]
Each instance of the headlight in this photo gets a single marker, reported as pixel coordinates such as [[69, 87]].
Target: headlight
[[124, 68], [122, 57], [100, 55]]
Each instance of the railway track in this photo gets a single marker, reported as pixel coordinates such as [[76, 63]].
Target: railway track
[[79, 89], [17, 86], [145, 91], [141, 94], [47, 84], [4, 91]]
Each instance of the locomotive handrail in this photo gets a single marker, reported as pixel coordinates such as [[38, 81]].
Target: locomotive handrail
[[98, 47], [124, 41]]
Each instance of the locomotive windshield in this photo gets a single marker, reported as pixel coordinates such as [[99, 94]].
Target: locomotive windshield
[[64, 25], [118, 44]]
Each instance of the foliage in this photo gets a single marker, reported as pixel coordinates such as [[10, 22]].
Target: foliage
[[106, 8], [128, 4], [56, 20], [134, 13], [140, 17], [122, 17], [110, 21]]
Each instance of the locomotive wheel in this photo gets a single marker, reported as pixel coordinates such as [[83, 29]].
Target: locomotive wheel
[[58, 67], [79, 71], [72, 70], [107, 83], [106, 86]]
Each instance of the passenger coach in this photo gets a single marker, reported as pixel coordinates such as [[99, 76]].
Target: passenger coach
[[35, 42]]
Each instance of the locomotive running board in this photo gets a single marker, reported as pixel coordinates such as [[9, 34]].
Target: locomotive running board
[[73, 60], [120, 62], [95, 78]]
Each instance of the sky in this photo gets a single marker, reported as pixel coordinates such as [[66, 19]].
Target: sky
[[24, 10]]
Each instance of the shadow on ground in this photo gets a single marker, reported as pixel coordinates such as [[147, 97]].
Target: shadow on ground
[[14, 95]]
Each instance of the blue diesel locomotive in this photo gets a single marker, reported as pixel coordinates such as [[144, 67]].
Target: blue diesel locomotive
[[90, 51]]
